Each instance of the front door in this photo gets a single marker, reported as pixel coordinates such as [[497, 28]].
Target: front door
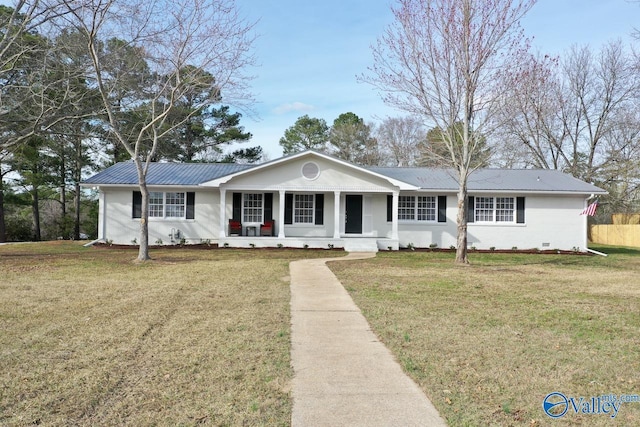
[[353, 214]]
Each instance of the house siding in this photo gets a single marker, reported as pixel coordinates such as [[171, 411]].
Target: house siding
[[118, 225], [289, 175], [548, 219]]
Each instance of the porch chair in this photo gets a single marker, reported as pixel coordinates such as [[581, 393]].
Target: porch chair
[[268, 228], [235, 227]]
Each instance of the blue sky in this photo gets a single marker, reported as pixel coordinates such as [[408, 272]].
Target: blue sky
[[310, 53]]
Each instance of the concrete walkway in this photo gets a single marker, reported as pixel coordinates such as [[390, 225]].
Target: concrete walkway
[[344, 376]]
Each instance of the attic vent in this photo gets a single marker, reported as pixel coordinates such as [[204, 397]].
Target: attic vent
[[310, 171]]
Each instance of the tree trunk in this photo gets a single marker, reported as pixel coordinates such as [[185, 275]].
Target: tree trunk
[[63, 230], [76, 217], [77, 178], [3, 226], [461, 220], [35, 207], [143, 252]]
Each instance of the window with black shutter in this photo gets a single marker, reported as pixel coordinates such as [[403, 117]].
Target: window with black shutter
[[319, 209], [191, 205], [520, 210], [442, 208], [137, 205]]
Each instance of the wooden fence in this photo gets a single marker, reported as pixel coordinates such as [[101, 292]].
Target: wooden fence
[[615, 234]]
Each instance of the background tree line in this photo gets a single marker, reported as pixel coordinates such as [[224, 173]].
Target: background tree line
[[82, 88]]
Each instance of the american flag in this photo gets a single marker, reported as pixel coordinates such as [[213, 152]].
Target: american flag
[[591, 209]]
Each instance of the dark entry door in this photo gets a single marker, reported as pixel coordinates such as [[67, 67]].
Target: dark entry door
[[353, 220]]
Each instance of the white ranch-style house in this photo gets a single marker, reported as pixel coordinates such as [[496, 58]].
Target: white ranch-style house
[[314, 200]]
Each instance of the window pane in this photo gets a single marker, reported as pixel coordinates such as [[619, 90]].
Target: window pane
[[484, 209], [174, 205], [406, 208], [504, 209], [426, 208], [252, 208], [155, 204], [303, 208]]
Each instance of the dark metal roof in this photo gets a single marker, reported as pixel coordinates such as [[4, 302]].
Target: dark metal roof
[[165, 173], [536, 180], [516, 180]]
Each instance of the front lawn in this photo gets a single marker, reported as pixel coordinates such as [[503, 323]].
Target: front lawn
[[88, 337], [487, 342]]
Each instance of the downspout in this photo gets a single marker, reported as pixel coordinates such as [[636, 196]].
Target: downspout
[[596, 252], [586, 223]]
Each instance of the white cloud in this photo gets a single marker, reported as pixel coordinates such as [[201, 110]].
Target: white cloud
[[295, 106]]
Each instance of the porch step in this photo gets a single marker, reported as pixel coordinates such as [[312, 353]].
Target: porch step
[[360, 245]]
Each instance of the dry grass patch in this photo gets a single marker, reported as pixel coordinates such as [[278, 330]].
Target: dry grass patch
[[488, 342], [91, 338]]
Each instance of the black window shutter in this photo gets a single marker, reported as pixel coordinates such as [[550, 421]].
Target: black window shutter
[[288, 208], [137, 205], [237, 207], [442, 208], [191, 205], [268, 207], [389, 207], [319, 209], [520, 210], [471, 209]]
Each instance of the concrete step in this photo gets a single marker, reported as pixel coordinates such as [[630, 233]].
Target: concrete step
[[360, 245]]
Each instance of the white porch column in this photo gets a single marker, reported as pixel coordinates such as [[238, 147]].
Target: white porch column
[[223, 213], [281, 215], [336, 214], [394, 216]]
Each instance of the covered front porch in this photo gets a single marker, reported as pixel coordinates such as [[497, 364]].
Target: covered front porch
[[296, 218], [310, 199]]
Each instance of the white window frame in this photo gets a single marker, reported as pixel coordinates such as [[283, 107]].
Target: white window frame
[[158, 205], [173, 205], [296, 209], [416, 208], [496, 209], [259, 209], [503, 212]]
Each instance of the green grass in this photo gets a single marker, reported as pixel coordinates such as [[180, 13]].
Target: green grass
[[488, 341], [89, 337]]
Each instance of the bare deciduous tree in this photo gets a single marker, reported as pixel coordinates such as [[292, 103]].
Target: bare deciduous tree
[[189, 45], [598, 89], [442, 60], [399, 139], [574, 114]]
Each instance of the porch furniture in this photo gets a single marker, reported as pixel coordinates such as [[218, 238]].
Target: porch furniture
[[251, 230], [235, 228], [268, 228]]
